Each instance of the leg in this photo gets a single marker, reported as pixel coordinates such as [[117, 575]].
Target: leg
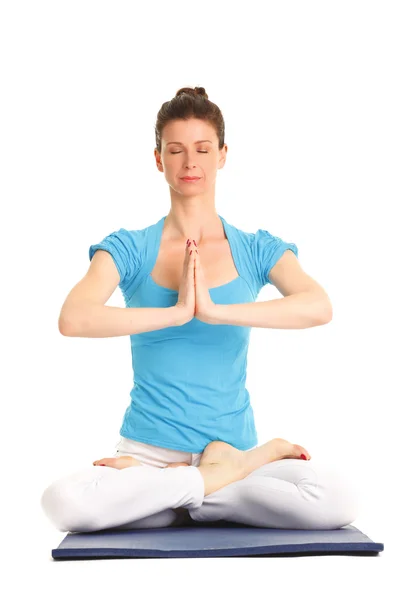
[[215, 476], [102, 497], [141, 453], [285, 494], [165, 518]]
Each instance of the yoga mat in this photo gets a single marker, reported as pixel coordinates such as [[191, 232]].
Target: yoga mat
[[217, 538]]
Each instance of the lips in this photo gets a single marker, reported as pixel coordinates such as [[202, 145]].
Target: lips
[[190, 178]]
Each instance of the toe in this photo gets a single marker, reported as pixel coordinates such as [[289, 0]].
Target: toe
[[301, 452], [104, 462]]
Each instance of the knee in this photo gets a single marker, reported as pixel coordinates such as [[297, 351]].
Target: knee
[[349, 501], [61, 506], [340, 498]]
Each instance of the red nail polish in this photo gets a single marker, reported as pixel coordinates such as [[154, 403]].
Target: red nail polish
[[102, 465], [303, 456], [194, 243], [187, 241], [190, 252]]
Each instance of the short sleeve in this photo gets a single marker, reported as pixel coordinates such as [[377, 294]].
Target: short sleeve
[[124, 250], [267, 250]]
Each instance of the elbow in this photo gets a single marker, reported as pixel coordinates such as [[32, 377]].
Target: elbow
[[325, 315], [67, 327], [76, 321]]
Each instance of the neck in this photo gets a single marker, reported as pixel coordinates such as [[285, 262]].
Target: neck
[[180, 225]]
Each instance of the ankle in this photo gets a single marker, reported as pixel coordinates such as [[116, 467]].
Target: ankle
[[218, 475]]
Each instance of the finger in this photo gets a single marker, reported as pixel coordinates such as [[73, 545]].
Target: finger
[[197, 265], [187, 263], [191, 266], [187, 255]]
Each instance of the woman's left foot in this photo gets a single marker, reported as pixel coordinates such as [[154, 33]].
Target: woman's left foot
[[118, 462]]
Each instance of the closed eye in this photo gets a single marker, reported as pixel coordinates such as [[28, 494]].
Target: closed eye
[[201, 152]]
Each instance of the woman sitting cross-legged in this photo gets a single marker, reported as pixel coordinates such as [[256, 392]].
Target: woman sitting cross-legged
[[189, 449]]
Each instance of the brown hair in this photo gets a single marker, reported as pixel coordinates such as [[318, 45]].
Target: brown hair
[[190, 103]]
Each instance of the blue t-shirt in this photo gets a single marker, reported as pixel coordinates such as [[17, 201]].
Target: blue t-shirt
[[190, 380]]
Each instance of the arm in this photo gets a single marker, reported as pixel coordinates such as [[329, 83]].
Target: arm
[[98, 321], [84, 313], [297, 311], [305, 303]]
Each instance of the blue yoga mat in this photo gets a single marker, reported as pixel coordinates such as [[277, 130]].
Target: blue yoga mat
[[219, 538]]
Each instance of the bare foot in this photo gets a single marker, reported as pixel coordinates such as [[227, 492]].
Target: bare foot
[[118, 462], [222, 453], [248, 461], [275, 449]]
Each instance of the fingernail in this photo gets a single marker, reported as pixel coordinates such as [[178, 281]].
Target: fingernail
[[194, 242], [196, 252], [303, 456], [190, 252], [187, 241]]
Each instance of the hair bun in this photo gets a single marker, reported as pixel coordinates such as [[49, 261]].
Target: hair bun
[[197, 91]]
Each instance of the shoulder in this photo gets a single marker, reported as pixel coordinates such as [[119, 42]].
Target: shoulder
[[127, 248], [264, 249]]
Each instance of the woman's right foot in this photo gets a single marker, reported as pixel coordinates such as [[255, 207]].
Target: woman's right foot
[[224, 454], [247, 461], [275, 449]]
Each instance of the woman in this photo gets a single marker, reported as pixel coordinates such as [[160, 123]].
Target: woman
[[190, 282]]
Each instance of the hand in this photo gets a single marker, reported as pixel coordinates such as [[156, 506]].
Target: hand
[[186, 295], [204, 306]]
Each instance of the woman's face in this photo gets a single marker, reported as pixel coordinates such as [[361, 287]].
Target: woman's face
[[190, 148]]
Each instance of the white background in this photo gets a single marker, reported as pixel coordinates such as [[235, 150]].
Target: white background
[[310, 96]]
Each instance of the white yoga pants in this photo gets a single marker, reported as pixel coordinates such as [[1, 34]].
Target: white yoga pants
[[285, 494]]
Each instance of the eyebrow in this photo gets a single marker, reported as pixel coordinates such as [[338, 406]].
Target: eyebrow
[[198, 142]]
